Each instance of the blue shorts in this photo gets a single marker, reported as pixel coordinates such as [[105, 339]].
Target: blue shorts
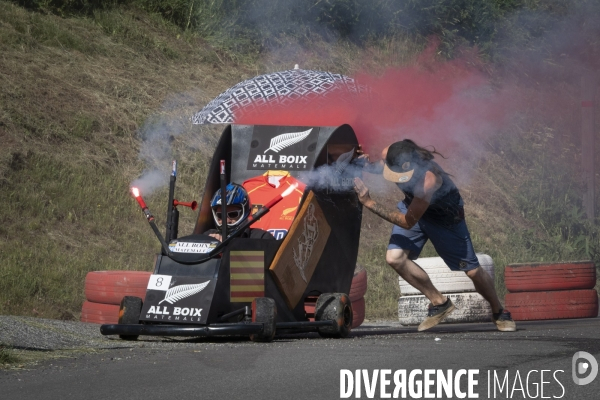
[[452, 243]]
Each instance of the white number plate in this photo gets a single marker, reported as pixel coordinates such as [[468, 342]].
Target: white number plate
[[159, 282]]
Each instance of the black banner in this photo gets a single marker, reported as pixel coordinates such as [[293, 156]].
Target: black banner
[[283, 148]]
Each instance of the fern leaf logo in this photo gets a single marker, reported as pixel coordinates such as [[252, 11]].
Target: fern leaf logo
[[180, 292], [280, 142]]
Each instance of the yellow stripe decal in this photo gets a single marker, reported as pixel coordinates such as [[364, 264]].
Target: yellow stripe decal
[[247, 264], [248, 276], [247, 288]]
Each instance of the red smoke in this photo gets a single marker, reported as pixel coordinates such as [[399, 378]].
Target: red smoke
[[438, 103]]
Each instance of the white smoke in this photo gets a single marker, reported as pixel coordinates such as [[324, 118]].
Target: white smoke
[[159, 134]]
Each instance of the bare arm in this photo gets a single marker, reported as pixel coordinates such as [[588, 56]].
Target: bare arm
[[393, 216], [415, 211]]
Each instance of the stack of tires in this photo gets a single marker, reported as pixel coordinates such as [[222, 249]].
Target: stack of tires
[[104, 291], [357, 295], [541, 291], [470, 305]]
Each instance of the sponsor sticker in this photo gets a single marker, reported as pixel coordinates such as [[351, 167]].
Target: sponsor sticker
[[289, 148], [188, 247], [177, 299]]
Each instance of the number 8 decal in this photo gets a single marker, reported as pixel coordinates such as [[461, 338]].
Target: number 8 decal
[[159, 282]]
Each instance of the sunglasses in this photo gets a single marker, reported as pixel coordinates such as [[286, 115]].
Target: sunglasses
[[230, 214]]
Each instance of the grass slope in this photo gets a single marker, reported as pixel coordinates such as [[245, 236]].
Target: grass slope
[[78, 97]]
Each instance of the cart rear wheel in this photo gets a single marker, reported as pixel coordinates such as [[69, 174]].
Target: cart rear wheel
[[264, 310], [129, 313], [336, 307]]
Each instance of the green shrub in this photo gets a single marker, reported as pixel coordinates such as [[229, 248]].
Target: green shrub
[[549, 195], [235, 24]]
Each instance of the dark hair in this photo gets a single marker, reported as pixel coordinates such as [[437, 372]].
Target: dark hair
[[422, 152], [407, 150]]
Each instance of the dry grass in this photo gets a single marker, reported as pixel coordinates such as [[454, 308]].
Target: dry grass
[[72, 102], [7, 356]]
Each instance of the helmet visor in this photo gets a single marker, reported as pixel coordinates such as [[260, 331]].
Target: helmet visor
[[234, 215]]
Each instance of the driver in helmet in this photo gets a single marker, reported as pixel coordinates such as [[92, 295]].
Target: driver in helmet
[[238, 209]]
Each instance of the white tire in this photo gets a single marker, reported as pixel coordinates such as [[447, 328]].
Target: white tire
[[444, 279], [470, 307]]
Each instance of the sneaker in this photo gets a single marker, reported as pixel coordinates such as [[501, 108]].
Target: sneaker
[[435, 314], [504, 321]]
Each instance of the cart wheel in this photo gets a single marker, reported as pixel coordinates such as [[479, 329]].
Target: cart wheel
[[265, 311], [129, 313], [337, 307]]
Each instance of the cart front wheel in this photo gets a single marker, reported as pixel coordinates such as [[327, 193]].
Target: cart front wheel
[[264, 310], [129, 313]]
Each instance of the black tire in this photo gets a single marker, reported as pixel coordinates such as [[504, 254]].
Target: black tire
[[129, 313], [336, 307], [264, 310]]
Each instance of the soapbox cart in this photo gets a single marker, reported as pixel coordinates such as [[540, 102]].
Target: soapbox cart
[[257, 287]]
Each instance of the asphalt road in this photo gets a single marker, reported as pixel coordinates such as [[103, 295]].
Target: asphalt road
[[539, 355]]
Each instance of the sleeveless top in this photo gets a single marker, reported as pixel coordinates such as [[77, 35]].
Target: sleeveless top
[[446, 206]]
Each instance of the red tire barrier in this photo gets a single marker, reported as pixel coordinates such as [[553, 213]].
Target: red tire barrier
[[109, 287], [531, 306], [98, 313], [359, 285], [358, 312], [309, 307], [539, 277]]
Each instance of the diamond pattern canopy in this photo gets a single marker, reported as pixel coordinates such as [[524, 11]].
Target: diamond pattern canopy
[[276, 89]]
